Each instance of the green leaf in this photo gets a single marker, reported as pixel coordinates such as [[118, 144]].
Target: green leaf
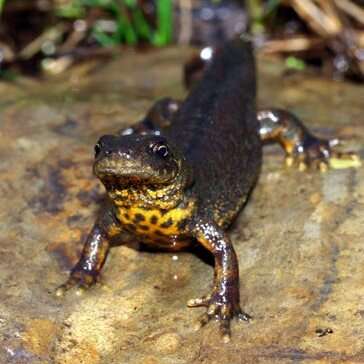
[[271, 6], [72, 10], [7, 75], [163, 33], [97, 3], [295, 63], [104, 39], [131, 25], [130, 3], [141, 25], [125, 30], [2, 2]]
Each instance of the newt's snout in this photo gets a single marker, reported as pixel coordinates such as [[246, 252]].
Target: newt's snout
[[106, 145]]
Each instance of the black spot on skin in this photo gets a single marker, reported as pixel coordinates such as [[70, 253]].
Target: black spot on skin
[[161, 243], [182, 224], [167, 224], [183, 238], [154, 219], [159, 233], [127, 217], [138, 218], [143, 227], [130, 227]]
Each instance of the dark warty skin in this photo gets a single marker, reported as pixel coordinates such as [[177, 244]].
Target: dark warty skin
[[182, 175]]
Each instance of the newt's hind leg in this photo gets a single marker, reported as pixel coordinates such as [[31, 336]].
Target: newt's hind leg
[[301, 146], [159, 116]]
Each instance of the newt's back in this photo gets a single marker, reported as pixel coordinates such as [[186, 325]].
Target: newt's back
[[217, 131]]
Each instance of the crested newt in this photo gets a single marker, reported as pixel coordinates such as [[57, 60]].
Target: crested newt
[[182, 174]]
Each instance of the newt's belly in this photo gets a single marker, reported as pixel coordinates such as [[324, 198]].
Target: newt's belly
[[156, 227]]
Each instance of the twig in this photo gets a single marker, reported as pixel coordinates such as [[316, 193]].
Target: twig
[[360, 38], [185, 33], [52, 34], [6, 53], [352, 9], [296, 44], [318, 20]]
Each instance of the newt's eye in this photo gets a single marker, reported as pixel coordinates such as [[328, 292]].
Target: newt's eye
[[97, 150], [160, 149]]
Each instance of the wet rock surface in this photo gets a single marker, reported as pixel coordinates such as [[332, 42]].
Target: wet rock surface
[[299, 241]]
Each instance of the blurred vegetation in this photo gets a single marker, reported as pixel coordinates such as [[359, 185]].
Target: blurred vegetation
[[328, 34], [129, 20], [38, 36]]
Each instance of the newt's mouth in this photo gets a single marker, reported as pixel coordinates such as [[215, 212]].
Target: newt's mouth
[[112, 182], [120, 175]]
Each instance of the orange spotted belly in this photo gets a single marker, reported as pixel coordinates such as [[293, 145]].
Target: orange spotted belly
[[157, 227]]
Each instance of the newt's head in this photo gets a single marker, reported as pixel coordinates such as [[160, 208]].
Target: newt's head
[[139, 164]]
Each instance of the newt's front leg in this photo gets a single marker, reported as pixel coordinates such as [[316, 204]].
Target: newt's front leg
[[94, 253], [301, 146], [223, 303]]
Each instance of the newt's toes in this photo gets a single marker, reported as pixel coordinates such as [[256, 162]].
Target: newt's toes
[[63, 288], [225, 330], [223, 313], [60, 291], [80, 280], [198, 302], [323, 166], [319, 154], [302, 166], [80, 290], [289, 161], [243, 316], [203, 320]]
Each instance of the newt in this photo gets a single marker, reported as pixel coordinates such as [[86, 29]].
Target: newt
[[183, 174]]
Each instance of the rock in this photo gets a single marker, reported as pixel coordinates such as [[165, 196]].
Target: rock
[[299, 240]]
